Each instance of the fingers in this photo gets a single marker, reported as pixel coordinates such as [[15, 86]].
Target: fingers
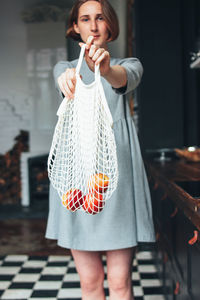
[[67, 83], [89, 41], [95, 55], [99, 53], [104, 55], [93, 51]]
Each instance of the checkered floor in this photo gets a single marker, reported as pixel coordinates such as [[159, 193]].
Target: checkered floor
[[54, 277]]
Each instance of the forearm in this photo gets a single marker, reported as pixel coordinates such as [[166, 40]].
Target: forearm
[[116, 76]]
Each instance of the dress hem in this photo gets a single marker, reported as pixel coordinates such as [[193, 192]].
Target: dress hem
[[130, 245]]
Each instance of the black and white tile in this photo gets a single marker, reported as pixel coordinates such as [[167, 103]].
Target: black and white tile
[[55, 278]]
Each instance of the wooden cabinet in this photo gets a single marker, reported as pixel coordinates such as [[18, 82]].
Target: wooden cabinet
[[177, 223], [194, 271]]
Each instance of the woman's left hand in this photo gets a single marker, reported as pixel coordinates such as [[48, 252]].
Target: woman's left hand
[[95, 55]]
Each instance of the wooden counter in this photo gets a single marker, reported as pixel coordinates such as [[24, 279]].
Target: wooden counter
[[180, 181], [175, 190]]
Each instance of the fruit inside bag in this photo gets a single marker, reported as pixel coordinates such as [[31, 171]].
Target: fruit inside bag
[[82, 163], [93, 202]]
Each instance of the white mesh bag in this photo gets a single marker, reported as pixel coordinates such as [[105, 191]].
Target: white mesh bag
[[82, 163]]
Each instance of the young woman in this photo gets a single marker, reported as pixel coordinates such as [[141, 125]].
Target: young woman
[[127, 216]]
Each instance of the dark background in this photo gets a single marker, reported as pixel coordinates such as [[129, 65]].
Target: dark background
[[166, 33]]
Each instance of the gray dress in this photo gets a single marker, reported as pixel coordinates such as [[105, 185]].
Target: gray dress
[[127, 216]]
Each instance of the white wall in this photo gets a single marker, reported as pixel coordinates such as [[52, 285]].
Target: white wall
[[27, 101], [14, 95]]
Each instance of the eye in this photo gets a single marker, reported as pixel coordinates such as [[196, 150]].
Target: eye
[[100, 18]]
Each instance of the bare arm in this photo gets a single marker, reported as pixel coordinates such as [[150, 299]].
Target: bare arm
[[116, 76]]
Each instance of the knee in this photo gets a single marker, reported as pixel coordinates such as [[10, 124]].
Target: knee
[[119, 283], [91, 282]]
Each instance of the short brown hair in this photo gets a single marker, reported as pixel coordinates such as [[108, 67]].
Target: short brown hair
[[107, 12]]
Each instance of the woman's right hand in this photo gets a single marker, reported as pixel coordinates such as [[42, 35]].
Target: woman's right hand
[[67, 83]]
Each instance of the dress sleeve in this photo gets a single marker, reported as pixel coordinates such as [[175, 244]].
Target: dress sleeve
[[59, 68], [134, 72]]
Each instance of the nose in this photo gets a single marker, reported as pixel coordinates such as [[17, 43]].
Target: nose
[[94, 26]]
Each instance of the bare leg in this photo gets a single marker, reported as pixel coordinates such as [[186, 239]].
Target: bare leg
[[90, 269], [119, 272]]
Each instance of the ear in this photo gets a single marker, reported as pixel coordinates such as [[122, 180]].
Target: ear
[[76, 29]]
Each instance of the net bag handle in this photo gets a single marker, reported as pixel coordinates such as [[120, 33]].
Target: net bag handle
[[98, 81], [80, 60], [62, 107]]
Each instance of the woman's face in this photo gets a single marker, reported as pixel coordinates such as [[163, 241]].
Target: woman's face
[[91, 22]]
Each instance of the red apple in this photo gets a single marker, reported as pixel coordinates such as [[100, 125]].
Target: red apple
[[93, 203], [98, 183], [73, 199]]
